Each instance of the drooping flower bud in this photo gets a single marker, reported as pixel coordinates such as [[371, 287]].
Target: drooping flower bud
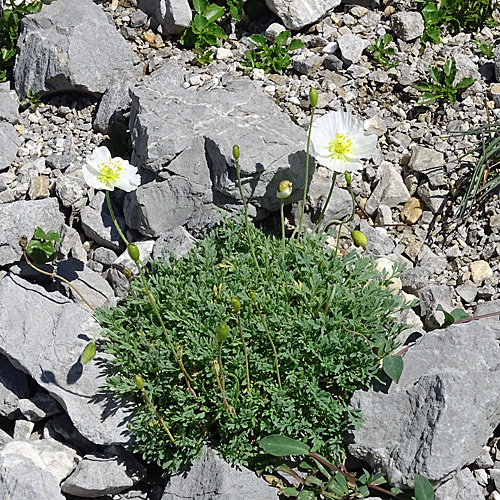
[[359, 238], [128, 273], [235, 303], [284, 190], [221, 334], [133, 252], [139, 382], [215, 367], [253, 297], [236, 152], [348, 177], [313, 97]]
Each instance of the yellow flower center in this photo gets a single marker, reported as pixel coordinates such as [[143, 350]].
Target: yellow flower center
[[110, 172], [340, 147]]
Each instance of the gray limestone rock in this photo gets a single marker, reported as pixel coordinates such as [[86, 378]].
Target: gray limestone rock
[[38, 407], [211, 478], [70, 189], [390, 190], [461, 486], [170, 17], [158, 207], [414, 279], [379, 242], [90, 284], [114, 102], [21, 479], [295, 14], [441, 413], [98, 225], [351, 47], [57, 50], [433, 198], [22, 218], [407, 25], [430, 297], [192, 134], [60, 329], [9, 107], [104, 474], [178, 240], [9, 143], [430, 163], [51, 456]]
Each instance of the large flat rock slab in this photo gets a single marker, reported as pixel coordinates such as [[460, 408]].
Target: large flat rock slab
[[442, 412], [43, 334]]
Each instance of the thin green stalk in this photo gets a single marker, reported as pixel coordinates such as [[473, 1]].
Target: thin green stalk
[[307, 173], [282, 227], [247, 368], [272, 344], [158, 415], [325, 206], [237, 164], [151, 298], [110, 208]]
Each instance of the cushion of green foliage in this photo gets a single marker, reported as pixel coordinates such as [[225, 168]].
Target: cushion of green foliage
[[331, 319]]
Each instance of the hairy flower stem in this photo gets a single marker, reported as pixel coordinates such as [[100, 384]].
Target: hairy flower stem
[[146, 397], [229, 409], [247, 229], [282, 227], [306, 180], [249, 388], [23, 243], [341, 223], [327, 202], [152, 300], [272, 343]]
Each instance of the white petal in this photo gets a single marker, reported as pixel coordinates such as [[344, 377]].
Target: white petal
[[90, 176], [364, 146]]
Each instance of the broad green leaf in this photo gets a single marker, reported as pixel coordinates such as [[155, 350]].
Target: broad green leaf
[[295, 44], [39, 234], [464, 83], [281, 446], [39, 252], [306, 495], [88, 353], [338, 484], [450, 70], [213, 12], [423, 489], [423, 86], [258, 40], [52, 236], [427, 99], [281, 39], [199, 23], [200, 5], [435, 74], [250, 58], [219, 33], [393, 367], [314, 481], [290, 491], [455, 315]]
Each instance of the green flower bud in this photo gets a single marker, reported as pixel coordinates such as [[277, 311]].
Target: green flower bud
[[284, 190], [221, 334], [139, 382], [253, 297], [348, 177], [133, 252], [235, 303], [359, 238], [236, 152], [88, 353], [313, 97]]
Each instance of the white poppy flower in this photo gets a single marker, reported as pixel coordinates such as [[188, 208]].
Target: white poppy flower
[[340, 141], [103, 172]]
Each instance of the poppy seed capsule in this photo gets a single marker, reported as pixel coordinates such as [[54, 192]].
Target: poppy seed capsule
[[236, 152], [133, 252], [235, 303], [221, 334], [313, 97], [359, 238], [139, 382]]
